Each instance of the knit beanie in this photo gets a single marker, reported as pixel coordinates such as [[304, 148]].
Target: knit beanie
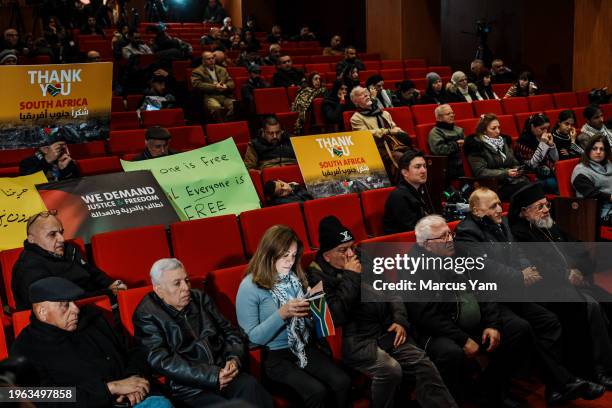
[[332, 233], [432, 77], [6, 55]]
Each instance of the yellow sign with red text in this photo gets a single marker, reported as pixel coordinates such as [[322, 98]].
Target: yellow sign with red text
[[41, 100], [340, 163]]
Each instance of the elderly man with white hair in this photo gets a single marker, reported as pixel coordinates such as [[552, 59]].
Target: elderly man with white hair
[[188, 341], [457, 327], [392, 141], [446, 139]]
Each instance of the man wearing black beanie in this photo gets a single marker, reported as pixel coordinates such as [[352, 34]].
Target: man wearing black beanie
[[374, 333]]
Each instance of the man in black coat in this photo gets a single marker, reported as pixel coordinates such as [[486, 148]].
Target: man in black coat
[[375, 340], [78, 348], [157, 144], [286, 75], [350, 60], [47, 254], [456, 326], [187, 340], [485, 224], [410, 201], [566, 265], [53, 159]]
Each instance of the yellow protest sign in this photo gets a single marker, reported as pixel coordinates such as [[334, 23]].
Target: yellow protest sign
[[40, 100], [19, 200], [340, 163]]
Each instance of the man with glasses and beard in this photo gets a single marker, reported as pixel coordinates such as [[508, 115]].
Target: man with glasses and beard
[[47, 254], [271, 148], [568, 264]]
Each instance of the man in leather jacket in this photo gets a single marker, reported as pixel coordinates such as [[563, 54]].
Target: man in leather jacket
[[201, 354]]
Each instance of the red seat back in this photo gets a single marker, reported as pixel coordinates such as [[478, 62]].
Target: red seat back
[[424, 113], [239, 131], [402, 116], [462, 110], [415, 72], [201, 250], [345, 207], [87, 150], [582, 97], [346, 117], [187, 138], [516, 104], [563, 172], [284, 173], [409, 236], [501, 89], [442, 70], [319, 67], [392, 64], [508, 126], [521, 118], [124, 120], [373, 204], [371, 65], [133, 102], [487, 106], [422, 136], [271, 100], [163, 117], [468, 125], [415, 63], [128, 301], [129, 254], [254, 224], [126, 141], [117, 104], [223, 287], [540, 103], [99, 165], [12, 157], [566, 100], [392, 75]]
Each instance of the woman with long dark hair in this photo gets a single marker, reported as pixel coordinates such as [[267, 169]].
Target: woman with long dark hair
[[271, 309], [485, 89], [564, 135], [524, 86]]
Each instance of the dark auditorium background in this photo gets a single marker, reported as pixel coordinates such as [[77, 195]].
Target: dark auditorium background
[[552, 38]]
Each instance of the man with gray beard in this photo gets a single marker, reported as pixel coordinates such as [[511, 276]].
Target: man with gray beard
[[530, 221]]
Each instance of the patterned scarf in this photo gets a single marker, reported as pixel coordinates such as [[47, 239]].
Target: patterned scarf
[[297, 332], [302, 103], [496, 143]]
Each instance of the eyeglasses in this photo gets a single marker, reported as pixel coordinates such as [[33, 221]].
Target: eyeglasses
[[540, 207], [43, 214], [446, 237]]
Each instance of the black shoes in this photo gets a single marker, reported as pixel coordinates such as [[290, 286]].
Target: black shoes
[[577, 389]]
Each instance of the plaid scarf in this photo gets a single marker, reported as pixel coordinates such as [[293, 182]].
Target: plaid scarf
[[496, 143]]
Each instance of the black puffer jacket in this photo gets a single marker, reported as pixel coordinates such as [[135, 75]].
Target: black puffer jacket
[[35, 263], [188, 347], [405, 206], [488, 163]]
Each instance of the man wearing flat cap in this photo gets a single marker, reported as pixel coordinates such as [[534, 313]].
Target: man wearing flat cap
[[53, 159], [560, 262], [157, 144], [74, 347], [47, 254], [375, 340]]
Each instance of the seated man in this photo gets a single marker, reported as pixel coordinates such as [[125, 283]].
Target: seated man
[[410, 201], [453, 332], [255, 82], [381, 96], [374, 336], [279, 192], [136, 46], [216, 85], [335, 47], [390, 139], [189, 342], [93, 56], [273, 55], [485, 224], [78, 348], [53, 159], [46, 254], [446, 139], [157, 144], [270, 148], [501, 74], [286, 75], [595, 124], [350, 60], [157, 96]]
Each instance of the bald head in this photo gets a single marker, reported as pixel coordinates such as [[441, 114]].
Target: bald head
[[93, 56], [486, 203], [208, 59], [47, 232]]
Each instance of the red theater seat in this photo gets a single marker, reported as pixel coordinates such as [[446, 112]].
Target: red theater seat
[[442, 70], [255, 222], [415, 72], [12, 157], [284, 173], [320, 68], [292, 93], [463, 110], [424, 113], [124, 120], [9, 171], [346, 117], [402, 116], [178, 70], [516, 104], [364, 75], [508, 126], [468, 125], [129, 254], [408, 236], [563, 172], [271, 100], [3, 348], [487, 106], [392, 75], [287, 120], [415, 63], [422, 136], [126, 141], [566, 100], [128, 301], [197, 244], [87, 150], [163, 117], [540, 103], [237, 72], [99, 165], [239, 131], [372, 65], [133, 102], [521, 118], [117, 104], [256, 179], [223, 287], [501, 89], [187, 138], [392, 64], [373, 203], [582, 97], [345, 207]]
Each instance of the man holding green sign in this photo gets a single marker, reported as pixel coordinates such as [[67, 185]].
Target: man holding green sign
[[205, 182]]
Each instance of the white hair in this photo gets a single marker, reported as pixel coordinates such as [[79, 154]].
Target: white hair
[[354, 92], [438, 110], [226, 19], [273, 46], [163, 265], [423, 228]]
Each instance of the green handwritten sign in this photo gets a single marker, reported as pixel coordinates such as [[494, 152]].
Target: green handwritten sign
[[205, 182]]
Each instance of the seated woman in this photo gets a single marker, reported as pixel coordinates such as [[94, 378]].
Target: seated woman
[[435, 92], [490, 156], [524, 86], [459, 90], [564, 135], [592, 177], [350, 77], [485, 89], [336, 102], [537, 151], [303, 100], [271, 309]]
